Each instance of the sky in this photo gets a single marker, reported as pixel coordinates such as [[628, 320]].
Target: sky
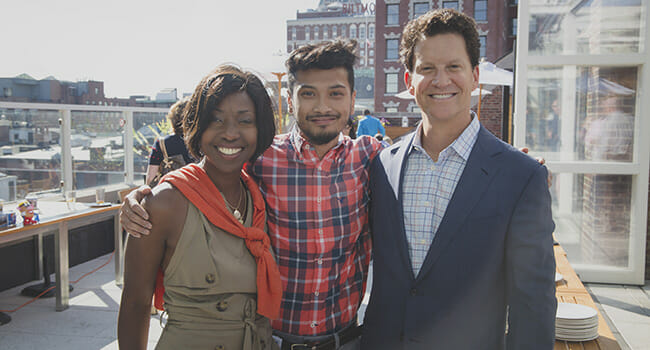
[[139, 47]]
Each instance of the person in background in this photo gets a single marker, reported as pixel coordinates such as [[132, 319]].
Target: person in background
[[174, 143], [369, 125], [350, 129], [221, 282], [461, 222]]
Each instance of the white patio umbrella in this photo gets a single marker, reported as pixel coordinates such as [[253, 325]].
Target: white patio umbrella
[[489, 73]]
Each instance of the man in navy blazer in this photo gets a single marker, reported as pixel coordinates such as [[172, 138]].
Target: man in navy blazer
[[461, 222]]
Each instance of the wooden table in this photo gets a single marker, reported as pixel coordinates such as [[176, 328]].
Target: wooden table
[[56, 218], [571, 290]]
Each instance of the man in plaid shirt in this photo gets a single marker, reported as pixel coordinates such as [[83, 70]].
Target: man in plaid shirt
[[315, 182]]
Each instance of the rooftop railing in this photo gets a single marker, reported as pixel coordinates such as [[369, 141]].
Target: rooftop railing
[[58, 147]]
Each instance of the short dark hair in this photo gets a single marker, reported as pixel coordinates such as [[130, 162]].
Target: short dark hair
[[175, 115], [440, 21], [213, 88], [323, 55], [366, 112]]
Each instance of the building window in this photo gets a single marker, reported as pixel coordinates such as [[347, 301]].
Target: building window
[[390, 109], [343, 31], [420, 8], [353, 31], [371, 32], [293, 33], [371, 52], [316, 33], [371, 61], [392, 49], [362, 53], [362, 61], [8, 92], [306, 33], [326, 34], [480, 10], [514, 27], [96, 91], [334, 31], [450, 5], [362, 31], [392, 14], [391, 83], [483, 41]]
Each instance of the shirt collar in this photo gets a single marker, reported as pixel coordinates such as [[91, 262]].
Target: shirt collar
[[298, 141], [462, 145]]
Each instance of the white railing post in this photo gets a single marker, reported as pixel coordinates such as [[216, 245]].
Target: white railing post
[[66, 150], [128, 147]]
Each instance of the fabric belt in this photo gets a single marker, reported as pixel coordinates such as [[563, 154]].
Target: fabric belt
[[327, 342]]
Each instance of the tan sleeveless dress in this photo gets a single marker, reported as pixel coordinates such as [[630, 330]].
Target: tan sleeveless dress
[[210, 291]]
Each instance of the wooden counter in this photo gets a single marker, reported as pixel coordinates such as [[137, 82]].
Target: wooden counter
[[571, 290], [57, 219]]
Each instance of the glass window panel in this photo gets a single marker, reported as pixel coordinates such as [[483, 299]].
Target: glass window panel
[[483, 41], [362, 31], [391, 83], [97, 144], [592, 215], [316, 33], [147, 127], [392, 15], [450, 5], [371, 31], [353, 31], [420, 8], [590, 27], [480, 10], [390, 109], [30, 152], [391, 49], [582, 113]]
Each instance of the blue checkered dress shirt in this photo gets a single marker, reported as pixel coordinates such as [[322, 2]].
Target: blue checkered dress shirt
[[428, 187]]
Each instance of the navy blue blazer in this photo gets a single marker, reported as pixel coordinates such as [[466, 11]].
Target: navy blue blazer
[[492, 256]]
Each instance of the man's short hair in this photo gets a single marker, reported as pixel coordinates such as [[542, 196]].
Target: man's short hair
[[440, 21], [366, 112], [323, 55]]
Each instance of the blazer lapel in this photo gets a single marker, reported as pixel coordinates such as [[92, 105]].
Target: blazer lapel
[[393, 161], [477, 176]]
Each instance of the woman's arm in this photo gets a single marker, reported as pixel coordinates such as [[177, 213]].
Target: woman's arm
[[143, 257], [152, 170]]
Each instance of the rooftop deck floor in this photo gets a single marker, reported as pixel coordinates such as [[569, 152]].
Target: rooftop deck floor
[[91, 320]]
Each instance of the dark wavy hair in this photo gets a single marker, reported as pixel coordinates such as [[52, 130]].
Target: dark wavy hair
[[176, 114], [440, 21], [213, 88], [323, 55]]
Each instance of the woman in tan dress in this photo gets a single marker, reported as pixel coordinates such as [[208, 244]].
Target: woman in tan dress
[[221, 283]]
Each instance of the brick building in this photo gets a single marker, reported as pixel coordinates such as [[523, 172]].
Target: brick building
[[24, 88]]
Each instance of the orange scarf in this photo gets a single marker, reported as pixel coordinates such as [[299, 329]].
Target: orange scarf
[[195, 184]]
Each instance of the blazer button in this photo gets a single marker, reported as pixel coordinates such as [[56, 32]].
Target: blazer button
[[219, 347], [209, 278], [222, 306], [414, 292]]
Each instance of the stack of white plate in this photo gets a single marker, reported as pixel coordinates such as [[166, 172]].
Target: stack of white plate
[[575, 322]]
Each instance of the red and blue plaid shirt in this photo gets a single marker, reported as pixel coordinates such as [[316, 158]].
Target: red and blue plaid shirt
[[318, 223]]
